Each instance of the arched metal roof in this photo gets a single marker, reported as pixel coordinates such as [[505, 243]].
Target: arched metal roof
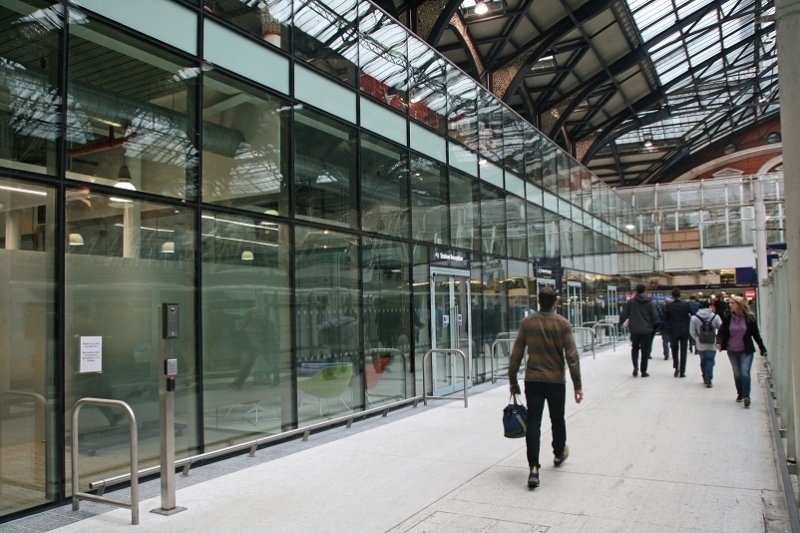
[[631, 88]]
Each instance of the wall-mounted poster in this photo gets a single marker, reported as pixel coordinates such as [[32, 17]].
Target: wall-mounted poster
[[91, 354]]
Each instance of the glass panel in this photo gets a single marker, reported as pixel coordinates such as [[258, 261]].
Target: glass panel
[[383, 121], [327, 37], [493, 220], [246, 313], [552, 242], [533, 156], [325, 169], [266, 20], [327, 319], [133, 130], [465, 211], [462, 112], [388, 323], [490, 126], [429, 209], [516, 233], [251, 172], [427, 99], [384, 188], [549, 175], [514, 141], [382, 57], [495, 300], [135, 257], [30, 118], [28, 463], [536, 232], [319, 91]]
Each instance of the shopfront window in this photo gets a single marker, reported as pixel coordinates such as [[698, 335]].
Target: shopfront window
[[429, 206], [246, 324], [128, 113], [328, 316], [384, 188], [28, 403], [126, 259], [245, 147]]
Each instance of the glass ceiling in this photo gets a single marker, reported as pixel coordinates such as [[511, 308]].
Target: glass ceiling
[[718, 72]]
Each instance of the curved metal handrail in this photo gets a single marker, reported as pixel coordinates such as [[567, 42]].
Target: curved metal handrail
[[590, 331], [77, 496], [425, 358], [493, 351]]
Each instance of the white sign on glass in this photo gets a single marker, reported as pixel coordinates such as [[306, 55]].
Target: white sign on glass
[[91, 354]]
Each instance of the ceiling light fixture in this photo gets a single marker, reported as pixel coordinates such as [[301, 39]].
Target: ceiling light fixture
[[648, 143], [481, 8], [247, 255], [168, 247], [75, 239]]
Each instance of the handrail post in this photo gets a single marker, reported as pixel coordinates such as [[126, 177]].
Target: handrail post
[[77, 496], [425, 358]]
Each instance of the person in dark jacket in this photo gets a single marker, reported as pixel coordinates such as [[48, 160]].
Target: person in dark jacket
[[677, 315], [641, 314], [736, 335]]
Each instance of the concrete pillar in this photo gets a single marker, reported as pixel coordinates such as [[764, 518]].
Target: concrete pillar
[[788, 28], [13, 233]]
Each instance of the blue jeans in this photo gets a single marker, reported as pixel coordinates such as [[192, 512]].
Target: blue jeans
[[707, 364], [665, 344], [741, 363]]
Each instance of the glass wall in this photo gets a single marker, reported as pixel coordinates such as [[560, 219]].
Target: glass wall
[[296, 241], [135, 257], [29, 401]]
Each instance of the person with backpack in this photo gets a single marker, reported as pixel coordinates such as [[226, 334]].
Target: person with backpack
[[703, 329]]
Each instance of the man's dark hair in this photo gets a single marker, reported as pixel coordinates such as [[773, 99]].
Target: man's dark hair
[[547, 298], [704, 304], [676, 293], [640, 288]]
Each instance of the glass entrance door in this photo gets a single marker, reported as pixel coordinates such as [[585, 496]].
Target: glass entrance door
[[450, 309], [575, 302]]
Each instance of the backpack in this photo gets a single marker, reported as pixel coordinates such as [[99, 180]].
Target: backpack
[[708, 334]]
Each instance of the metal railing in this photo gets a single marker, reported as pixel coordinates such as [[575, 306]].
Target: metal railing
[[606, 330], [425, 359], [77, 496], [584, 338], [493, 353], [253, 445]]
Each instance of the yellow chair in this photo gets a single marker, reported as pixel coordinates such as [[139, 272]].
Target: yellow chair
[[328, 382]]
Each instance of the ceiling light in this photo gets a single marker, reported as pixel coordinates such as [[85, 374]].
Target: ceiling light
[[648, 143], [75, 239], [247, 255], [481, 8], [629, 226], [168, 247]]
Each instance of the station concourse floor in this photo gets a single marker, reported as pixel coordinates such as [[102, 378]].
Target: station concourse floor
[[656, 454]]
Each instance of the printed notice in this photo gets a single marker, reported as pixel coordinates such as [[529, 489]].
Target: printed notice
[[91, 354]]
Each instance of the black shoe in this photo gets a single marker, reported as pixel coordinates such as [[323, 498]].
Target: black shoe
[[558, 460], [683, 375], [645, 375], [747, 401], [708, 384], [635, 372], [666, 358], [676, 374], [738, 397], [533, 478]]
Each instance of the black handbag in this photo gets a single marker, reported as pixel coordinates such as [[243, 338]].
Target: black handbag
[[515, 419]]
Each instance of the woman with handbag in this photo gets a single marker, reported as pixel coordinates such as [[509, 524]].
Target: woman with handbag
[[736, 335]]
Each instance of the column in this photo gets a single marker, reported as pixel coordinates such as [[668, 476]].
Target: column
[[788, 25]]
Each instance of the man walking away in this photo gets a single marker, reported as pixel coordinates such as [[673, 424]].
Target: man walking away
[[550, 344], [676, 316], [642, 315]]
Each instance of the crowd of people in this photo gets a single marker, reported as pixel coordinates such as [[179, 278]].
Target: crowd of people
[[546, 343], [726, 323]]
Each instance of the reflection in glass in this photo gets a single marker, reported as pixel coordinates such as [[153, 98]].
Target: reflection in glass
[[429, 207], [246, 311], [382, 57], [113, 285], [384, 188], [427, 102], [536, 232], [327, 323], [465, 217], [326, 36], [30, 119], [493, 220], [516, 233], [251, 174], [462, 114], [325, 169], [490, 126], [514, 141], [28, 463], [133, 130], [389, 327], [264, 19]]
